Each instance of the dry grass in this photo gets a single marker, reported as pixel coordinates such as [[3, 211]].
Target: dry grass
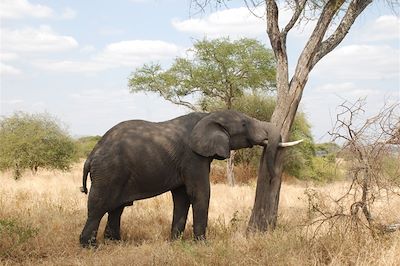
[[42, 216]]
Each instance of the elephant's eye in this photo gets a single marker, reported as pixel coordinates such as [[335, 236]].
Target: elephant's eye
[[243, 124]]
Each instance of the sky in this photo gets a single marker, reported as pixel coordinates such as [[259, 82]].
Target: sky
[[73, 58]]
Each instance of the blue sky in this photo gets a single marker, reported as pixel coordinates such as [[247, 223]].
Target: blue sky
[[72, 59]]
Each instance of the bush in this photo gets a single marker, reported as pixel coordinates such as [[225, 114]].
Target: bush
[[85, 145], [323, 169], [31, 141]]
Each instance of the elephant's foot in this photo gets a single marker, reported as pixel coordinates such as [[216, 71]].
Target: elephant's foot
[[112, 235], [176, 235], [200, 238], [88, 243]]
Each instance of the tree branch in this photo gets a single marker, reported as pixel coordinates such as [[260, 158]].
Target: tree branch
[[304, 66], [356, 7], [177, 101], [299, 8], [273, 26], [278, 45]]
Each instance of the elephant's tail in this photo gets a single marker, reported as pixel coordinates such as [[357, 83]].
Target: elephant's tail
[[86, 170]]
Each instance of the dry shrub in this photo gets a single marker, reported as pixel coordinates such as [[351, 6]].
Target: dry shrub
[[244, 173], [50, 207]]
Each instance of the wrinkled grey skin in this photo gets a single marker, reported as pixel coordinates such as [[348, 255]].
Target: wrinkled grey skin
[[138, 159]]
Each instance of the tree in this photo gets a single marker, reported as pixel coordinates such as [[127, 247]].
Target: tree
[[370, 148], [217, 69], [32, 141], [290, 89], [85, 145]]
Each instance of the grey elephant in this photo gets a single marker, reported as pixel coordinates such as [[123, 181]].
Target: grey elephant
[[138, 159]]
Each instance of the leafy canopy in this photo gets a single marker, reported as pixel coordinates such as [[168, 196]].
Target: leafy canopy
[[32, 141], [220, 68]]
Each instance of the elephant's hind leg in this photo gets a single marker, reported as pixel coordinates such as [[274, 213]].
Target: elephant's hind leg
[[89, 232], [113, 227], [96, 211], [181, 208]]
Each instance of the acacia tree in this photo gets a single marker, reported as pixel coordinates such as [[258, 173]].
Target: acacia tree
[[290, 89], [32, 141], [217, 69]]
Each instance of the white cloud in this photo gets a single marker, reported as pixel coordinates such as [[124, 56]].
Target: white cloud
[[88, 49], [235, 22], [42, 39], [119, 54], [347, 90], [239, 23], [68, 13], [18, 9], [135, 52], [15, 9], [6, 56], [385, 27], [360, 62], [8, 70]]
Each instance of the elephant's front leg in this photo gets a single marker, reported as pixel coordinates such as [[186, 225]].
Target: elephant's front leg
[[181, 208], [200, 199]]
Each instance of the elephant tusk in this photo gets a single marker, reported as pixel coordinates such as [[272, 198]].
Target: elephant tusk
[[284, 144], [289, 144]]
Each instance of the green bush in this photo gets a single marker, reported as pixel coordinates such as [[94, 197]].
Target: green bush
[[85, 145], [391, 167], [32, 141], [323, 169]]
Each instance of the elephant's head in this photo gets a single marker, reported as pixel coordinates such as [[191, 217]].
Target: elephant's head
[[219, 132]]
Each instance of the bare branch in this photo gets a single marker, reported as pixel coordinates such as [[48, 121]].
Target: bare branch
[[355, 8], [273, 26], [304, 65], [297, 12]]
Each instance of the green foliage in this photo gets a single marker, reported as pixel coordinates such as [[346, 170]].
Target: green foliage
[[391, 167], [218, 69], [33, 141], [301, 156], [85, 145], [325, 149], [323, 169]]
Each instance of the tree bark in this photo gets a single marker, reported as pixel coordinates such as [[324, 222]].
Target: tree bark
[[265, 210], [230, 164]]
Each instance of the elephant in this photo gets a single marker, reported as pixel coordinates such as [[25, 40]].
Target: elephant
[[137, 159]]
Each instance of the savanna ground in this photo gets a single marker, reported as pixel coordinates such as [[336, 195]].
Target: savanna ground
[[41, 217]]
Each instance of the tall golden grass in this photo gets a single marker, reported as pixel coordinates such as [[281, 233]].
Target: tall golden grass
[[41, 217]]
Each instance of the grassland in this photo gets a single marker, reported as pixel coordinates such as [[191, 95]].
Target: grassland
[[41, 217]]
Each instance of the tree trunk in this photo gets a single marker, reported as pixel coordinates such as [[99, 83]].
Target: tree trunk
[[265, 209], [230, 164]]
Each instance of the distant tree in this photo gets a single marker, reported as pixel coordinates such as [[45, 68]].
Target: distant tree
[[31, 141], [85, 145], [214, 69], [218, 69]]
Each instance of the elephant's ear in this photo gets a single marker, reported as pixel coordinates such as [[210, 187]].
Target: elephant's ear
[[210, 139]]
